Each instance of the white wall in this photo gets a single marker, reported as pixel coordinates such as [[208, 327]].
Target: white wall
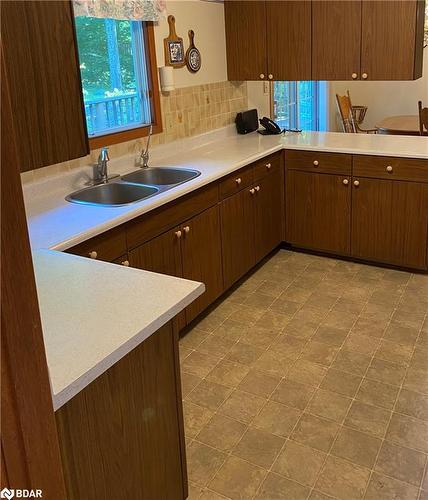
[[382, 98], [259, 97], [206, 19]]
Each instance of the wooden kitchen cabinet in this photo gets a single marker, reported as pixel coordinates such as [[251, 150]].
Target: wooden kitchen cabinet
[[43, 73], [318, 211], [389, 221], [122, 436]]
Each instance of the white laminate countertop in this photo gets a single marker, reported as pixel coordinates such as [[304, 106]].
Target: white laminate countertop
[[57, 224], [94, 313]]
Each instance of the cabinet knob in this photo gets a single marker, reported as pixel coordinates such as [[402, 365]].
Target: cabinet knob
[[270, 76], [364, 76], [178, 234], [356, 183], [257, 188], [345, 182], [252, 190], [262, 76], [186, 229], [93, 254], [125, 263], [316, 163], [389, 168], [268, 165], [238, 180], [354, 76]]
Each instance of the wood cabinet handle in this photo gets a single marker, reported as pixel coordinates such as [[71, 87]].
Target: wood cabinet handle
[[238, 180], [354, 76], [345, 182], [364, 76], [270, 76], [178, 234], [252, 191], [316, 163], [186, 229], [93, 254], [262, 76], [268, 165], [125, 263], [356, 183], [389, 168], [257, 188]]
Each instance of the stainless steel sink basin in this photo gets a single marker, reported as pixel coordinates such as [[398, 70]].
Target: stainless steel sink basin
[[112, 194], [161, 176]]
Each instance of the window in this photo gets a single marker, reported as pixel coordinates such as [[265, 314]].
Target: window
[[300, 105], [116, 76]]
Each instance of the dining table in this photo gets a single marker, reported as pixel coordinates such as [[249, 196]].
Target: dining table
[[399, 125]]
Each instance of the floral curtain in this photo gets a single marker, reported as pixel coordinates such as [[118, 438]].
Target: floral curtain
[[133, 10]]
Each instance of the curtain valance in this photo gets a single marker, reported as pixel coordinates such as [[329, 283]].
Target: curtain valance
[[133, 10]]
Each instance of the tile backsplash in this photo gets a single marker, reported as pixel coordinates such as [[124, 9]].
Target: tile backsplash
[[186, 112]]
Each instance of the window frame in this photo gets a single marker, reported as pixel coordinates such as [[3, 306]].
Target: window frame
[[154, 95]]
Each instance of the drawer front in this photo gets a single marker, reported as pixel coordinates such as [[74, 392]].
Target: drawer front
[[324, 163], [236, 181], [387, 167], [108, 246], [267, 165]]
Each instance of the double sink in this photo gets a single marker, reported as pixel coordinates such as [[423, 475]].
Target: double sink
[[133, 187]]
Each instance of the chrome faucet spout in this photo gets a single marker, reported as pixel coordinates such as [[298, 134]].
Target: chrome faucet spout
[[145, 152], [102, 166]]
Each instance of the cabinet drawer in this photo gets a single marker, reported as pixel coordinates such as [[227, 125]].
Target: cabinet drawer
[[324, 163], [108, 246], [387, 167], [236, 181], [267, 165]]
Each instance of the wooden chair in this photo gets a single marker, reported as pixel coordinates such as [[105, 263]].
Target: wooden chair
[[423, 119], [352, 116]]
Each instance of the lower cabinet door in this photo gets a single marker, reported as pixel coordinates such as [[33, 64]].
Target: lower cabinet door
[[201, 257], [318, 211], [268, 214], [389, 221], [237, 231]]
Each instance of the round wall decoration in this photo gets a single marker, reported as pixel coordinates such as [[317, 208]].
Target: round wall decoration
[[193, 56]]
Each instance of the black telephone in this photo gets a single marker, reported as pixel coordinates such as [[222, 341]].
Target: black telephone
[[270, 127]]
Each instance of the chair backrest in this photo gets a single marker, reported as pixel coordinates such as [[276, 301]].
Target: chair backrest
[[345, 109], [423, 119]]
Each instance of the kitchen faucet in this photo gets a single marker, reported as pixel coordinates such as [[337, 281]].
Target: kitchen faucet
[[101, 175], [145, 153]]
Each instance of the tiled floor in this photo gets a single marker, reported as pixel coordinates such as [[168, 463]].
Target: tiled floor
[[310, 380]]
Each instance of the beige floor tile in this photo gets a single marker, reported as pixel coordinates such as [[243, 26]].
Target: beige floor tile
[[277, 419], [287, 345], [329, 405], [188, 383], [413, 404], [367, 418], [307, 373], [317, 495], [238, 479], [401, 463], [315, 432], [351, 362], [215, 346], [231, 330], [259, 383], [293, 394], [272, 288], [209, 394], [284, 306], [273, 320], [221, 432], [247, 315], [243, 353], [278, 487], [228, 373], [341, 382], [299, 463], [357, 447], [384, 371], [301, 327], [386, 488], [210, 495], [193, 338], [331, 335], [419, 358], [224, 309], [259, 447], [194, 491], [316, 352], [416, 380], [371, 325], [259, 336], [195, 417], [377, 393], [209, 322], [342, 479], [202, 463], [198, 363], [242, 406], [321, 300], [336, 319], [350, 305], [409, 432], [395, 353], [183, 352], [361, 343], [259, 300], [273, 363], [297, 293], [401, 334]]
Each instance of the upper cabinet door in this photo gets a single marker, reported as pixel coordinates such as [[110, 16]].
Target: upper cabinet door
[[246, 40], [336, 40], [390, 45], [289, 40], [44, 80]]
